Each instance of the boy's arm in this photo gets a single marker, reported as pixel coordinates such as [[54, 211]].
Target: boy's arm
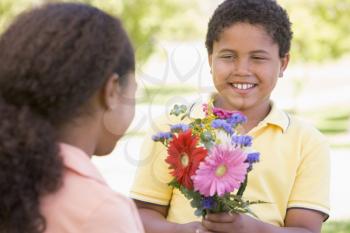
[[296, 221], [310, 220], [154, 220]]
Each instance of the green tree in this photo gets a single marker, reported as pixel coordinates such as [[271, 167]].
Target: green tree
[[9, 9], [321, 30], [145, 20]]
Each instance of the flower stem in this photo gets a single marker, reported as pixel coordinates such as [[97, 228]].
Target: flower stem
[[242, 187]]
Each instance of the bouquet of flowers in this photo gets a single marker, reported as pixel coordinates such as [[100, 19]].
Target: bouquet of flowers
[[210, 160]]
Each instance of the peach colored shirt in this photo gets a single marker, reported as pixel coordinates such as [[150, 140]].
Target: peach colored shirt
[[85, 203]]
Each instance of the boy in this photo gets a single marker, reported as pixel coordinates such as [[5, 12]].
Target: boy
[[248, 44]]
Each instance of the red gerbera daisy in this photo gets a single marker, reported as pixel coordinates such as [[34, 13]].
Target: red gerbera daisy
[[184, 157]]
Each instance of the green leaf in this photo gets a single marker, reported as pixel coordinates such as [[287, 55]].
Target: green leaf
[[199, 212]]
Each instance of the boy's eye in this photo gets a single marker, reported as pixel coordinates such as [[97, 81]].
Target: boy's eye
[[227, 56], [259, 58]]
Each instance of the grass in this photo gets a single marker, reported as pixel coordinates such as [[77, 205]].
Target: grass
[[336, 227]]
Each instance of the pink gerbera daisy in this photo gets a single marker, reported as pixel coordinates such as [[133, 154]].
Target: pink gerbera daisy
[[222, 171]]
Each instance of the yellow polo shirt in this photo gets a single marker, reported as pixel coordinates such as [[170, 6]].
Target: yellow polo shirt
[[293, 172]]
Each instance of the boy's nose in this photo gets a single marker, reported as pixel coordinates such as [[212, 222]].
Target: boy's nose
[[242, 67]]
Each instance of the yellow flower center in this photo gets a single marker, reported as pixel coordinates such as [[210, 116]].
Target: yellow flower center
[[184, 159], [221, 170]]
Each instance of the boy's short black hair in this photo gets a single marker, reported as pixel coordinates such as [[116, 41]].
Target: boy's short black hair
[[266, 13]]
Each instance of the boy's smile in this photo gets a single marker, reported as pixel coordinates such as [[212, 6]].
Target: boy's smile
[[245, 65]]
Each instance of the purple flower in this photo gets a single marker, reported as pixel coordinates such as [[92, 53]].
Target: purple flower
[[220, 123], [252, 158], [242, 140], [161, 136], [217, 123], [227, 128], [179, 128], [236, 119], [208, 203]]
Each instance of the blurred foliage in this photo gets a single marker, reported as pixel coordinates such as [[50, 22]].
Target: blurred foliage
[[321, 30], [9, 9], [145, 20], [148, 20], [336, 227]]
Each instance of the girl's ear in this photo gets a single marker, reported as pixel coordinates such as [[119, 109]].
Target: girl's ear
[[284, 63], [110, 92]]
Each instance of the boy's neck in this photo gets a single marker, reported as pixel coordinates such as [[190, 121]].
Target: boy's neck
[[255, 116]]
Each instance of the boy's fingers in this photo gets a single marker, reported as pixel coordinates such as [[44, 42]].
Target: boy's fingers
[[221, 217], [217, 226], [203, 231], [199, 228]]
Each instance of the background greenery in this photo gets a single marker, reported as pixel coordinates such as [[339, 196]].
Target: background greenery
[[145, 20], [320, 27], [336, 227], [321, 31]]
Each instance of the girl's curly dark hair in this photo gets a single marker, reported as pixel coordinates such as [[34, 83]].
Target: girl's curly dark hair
[[52, 60], [266, 13]]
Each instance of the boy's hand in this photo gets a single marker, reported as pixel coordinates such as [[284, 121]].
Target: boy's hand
[[192, 227], [227, 222]]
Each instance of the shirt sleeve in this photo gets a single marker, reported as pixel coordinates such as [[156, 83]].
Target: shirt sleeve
[[114, 215], [312, 182], [152, 175]]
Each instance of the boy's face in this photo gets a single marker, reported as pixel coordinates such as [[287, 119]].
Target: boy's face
[[245, 65]]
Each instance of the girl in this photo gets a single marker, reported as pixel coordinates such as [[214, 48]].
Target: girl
[[66, 93]]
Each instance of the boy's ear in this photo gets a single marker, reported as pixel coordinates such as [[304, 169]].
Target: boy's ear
[[284, 64], [110, 92]]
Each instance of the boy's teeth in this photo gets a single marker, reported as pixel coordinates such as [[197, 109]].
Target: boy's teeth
[[242, 86]]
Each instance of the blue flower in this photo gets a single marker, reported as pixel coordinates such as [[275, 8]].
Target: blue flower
[[253, 157], [228, 128], [217, 123], [243, 140], [236, 119], [220, 123], [179, 128], [161, 136], [208, 203]]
